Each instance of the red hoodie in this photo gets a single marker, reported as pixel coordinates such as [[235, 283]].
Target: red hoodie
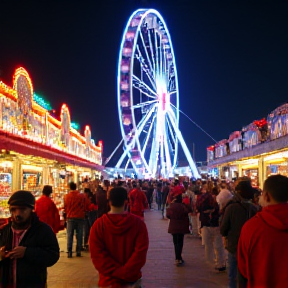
[[263, 248], [118, 246], [47, 212], [138, 202]]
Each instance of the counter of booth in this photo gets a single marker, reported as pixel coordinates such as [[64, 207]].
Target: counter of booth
[[19, 171]]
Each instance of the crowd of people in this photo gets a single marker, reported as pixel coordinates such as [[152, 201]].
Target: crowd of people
[[238, 225]]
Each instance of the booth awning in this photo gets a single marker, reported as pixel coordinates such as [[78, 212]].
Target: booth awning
[[25, 146]]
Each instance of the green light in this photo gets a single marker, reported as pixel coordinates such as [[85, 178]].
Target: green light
[[40, 101], [75, 125]]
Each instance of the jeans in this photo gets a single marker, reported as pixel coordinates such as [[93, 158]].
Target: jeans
[[193, 224], [77, 225], [232, 270], [178, 240], [213, 242]]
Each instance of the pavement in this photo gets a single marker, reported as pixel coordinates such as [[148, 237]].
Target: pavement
[[159, 270]]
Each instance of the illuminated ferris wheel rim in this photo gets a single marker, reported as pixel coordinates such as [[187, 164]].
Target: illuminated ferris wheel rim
[[165, 99], [164, 107], [145, 12]]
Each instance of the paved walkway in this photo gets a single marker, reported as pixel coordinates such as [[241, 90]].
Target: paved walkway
[[159, 270]]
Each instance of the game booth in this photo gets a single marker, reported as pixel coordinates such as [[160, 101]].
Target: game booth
[[37, 149]]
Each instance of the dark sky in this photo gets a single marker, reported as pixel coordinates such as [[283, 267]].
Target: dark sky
[[231, 56]]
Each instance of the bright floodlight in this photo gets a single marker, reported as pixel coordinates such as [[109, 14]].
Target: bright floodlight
[[148, 97]]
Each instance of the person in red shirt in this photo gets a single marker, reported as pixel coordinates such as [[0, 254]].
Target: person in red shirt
[[75, 206], [137, 201], [118, 244], [46, 209], [262, 247]]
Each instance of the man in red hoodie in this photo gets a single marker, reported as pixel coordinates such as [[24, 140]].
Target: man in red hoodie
[[47, 210], [137, 201], [118, 244], [262, 247]]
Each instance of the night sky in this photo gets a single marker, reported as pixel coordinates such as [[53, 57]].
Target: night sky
[[231, 56]]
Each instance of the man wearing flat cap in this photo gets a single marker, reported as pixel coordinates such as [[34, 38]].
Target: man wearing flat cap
[[27, 245]]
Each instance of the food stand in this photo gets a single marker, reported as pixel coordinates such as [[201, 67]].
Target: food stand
[[36, 148]]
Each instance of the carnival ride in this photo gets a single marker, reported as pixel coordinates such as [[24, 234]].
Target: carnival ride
[[148, 98]]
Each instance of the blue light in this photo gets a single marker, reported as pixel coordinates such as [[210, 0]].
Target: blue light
[[75, 125], [40, 101]]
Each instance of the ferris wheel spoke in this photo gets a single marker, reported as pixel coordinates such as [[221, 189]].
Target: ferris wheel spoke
[[170, 130], [171, 84], [124, 154], [167, 152], [162, 155], [148, 134], [137, 139], [149, 73], [145, 93], [171, 93], [154, 151], [176, 111], [127, 163], [161, 63], [146, 52], [165, 66], [176, 130], [144, 120], [157, 53], [142, 86], [140, 126], [140, 105], [172, 115], [153, 157], [151, 49]]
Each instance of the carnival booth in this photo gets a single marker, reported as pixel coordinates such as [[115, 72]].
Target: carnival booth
[[36, 148], [210, 153], [221, 148], [277, 122], [251, 136], [235, 141]]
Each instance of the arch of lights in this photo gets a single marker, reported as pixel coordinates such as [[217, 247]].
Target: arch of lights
[[148, 97]]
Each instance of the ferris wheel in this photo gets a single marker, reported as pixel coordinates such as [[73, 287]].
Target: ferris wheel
[[148, 97]]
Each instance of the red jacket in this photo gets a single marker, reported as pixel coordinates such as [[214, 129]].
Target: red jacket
[[76, 204], [179, 221], [138, 202], [263, 249], [47, 212], [118, 246]]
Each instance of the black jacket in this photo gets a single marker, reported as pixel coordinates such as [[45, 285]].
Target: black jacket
[[237, 212], [42, 251]]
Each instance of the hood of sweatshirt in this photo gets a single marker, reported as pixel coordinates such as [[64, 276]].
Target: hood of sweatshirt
[[119, 223], [275, 216]]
